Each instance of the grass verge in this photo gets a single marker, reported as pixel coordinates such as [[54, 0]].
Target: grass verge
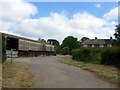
[[16, 75], [107, 73]]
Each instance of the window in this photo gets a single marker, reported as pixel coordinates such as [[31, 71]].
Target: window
[[109, 45], [84, 45], [93, 46], [101, 46]]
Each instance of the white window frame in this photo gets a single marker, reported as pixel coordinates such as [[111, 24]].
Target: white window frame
[[93, 45], [109, 45], [85, 45], [101, 45]]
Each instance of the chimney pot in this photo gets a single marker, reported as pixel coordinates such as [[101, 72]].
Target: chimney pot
[[110, 37]]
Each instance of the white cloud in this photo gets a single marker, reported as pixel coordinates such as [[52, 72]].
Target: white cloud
[[59, 26], [112, 14], [14, 11], [97, 5], [56, 25]]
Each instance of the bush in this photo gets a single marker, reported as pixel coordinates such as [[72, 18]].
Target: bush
[[76, 54], [95, 58], [81, 54], [111, 56], [106, 56], [3, 48], [65, 51]]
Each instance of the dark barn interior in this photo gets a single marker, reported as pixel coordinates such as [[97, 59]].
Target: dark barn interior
[[12, 43]]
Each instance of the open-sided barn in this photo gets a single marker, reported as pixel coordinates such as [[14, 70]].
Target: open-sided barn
[[23, 47]]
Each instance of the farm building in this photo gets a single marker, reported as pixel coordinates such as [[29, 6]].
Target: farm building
[[23, 47]]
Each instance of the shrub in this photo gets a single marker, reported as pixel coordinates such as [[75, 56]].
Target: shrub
[[106, 56], [95, 58], [111, 56], [76, 54], [65, 51], [3, 48], [81, 54]]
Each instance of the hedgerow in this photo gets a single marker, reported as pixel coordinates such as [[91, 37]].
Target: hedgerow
[[105, 56], [81, 54], [111, 56], [3, 48]]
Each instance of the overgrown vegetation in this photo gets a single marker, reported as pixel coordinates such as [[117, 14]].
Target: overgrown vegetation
[[107, 73], [106, 56], [65, 51], [3, 48], [81, 54], [111, 56]]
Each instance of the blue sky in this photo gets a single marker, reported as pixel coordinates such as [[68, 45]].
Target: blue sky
[[45, 8], [57, 20]]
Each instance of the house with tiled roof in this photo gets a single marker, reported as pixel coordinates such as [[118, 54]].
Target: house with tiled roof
[[97, 43]]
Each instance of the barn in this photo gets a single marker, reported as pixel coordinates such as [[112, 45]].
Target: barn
[[16, 46]]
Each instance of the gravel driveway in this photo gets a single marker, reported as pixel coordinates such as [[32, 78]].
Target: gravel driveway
[[52, 74]]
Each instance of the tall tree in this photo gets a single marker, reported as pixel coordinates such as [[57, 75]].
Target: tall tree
[[70, 42], [117, 34], [53, 41], [41, 40], [83, 39], [56, 45]]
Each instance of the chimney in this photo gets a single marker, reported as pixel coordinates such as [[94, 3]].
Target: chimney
[[110, 38], [95, 37]]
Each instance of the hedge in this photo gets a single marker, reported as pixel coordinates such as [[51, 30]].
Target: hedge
[[65, 51], [105, 56], [111, 56], [81, 54], [3, 48]]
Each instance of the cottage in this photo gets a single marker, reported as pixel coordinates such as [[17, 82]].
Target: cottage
[[97, 43]]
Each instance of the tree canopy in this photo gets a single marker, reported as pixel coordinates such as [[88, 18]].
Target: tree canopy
[[53, 41], [70, 42], [117, 34], [84, 38]]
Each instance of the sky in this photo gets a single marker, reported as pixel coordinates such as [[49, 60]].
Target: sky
[[57, 20]]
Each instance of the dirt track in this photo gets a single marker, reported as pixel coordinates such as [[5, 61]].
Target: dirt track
[[52, 74]]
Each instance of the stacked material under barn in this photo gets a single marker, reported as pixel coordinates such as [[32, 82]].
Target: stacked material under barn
[[23, 47]]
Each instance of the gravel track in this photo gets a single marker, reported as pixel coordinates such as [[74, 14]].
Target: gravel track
[[50, 73]]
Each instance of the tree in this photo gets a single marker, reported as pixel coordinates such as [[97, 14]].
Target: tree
[[53, 41], [83, 39], [41, 40], [57, 49], [70, 42], [3, 47], [56, 45], [117, 34]]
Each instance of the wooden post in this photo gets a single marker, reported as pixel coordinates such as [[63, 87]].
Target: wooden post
[[11, 54]]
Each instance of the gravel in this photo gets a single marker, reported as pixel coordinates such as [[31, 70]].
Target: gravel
[[52, 74]]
